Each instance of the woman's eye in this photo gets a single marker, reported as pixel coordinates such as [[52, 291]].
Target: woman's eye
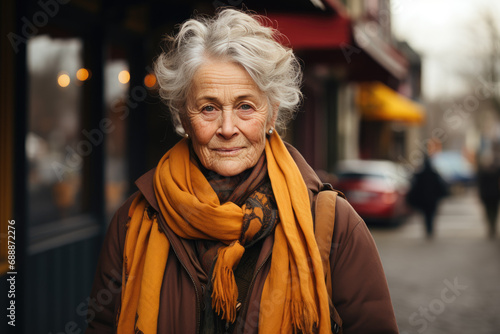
[[208, 108], [246, 107]]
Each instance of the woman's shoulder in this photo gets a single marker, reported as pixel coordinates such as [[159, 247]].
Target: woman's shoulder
[[344, 225], [122, 213], [344, 210], [345, 218], [118, 225]]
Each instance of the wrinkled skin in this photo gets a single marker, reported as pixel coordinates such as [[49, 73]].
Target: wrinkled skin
[[227, 118]]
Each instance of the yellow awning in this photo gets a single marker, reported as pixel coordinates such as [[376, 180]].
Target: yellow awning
[[378, 102]]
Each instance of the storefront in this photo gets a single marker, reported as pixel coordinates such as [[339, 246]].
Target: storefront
[[351, 52], [388, 121]]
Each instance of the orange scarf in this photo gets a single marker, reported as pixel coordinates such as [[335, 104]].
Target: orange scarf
[[294, 296]]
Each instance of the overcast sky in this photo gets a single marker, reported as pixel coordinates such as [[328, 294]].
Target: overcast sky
[[447, 34]]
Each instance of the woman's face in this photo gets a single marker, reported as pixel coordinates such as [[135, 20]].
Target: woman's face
[[227, 118]]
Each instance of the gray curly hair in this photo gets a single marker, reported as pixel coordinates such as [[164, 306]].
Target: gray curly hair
[[237, 37]]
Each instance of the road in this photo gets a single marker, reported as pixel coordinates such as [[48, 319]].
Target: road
[[450, 284]]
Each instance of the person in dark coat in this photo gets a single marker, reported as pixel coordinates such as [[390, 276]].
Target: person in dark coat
[[488, 182], [426, 191]]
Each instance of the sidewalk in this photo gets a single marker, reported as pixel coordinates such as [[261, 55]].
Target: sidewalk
[[450, 284]]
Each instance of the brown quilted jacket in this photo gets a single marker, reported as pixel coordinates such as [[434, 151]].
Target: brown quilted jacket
[[360, 292]]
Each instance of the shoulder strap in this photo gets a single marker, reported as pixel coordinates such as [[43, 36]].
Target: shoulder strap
[[323, 231], [324, 223]]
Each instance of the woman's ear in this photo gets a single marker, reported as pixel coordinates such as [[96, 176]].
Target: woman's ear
[[185, 125], [275, 110]]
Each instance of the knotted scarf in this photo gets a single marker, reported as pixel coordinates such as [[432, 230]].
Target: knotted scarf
[[294, 297]]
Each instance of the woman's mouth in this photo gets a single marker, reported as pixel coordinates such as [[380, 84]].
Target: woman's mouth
[[228, 151]]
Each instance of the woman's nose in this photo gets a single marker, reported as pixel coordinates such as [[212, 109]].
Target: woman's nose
[[228, 127]]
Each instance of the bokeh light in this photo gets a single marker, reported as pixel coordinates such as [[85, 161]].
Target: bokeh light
[[63, 80], [150, 80], [82, 74], [124, 76]]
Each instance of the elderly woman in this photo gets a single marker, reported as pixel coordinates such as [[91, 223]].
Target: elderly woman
[[220, 237]]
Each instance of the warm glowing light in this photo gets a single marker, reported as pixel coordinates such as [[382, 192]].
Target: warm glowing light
[[63, 80], [150, 80], [82, 74], [124, 77]]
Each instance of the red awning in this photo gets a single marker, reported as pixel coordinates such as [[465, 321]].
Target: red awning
[[309, 31], [337, 33]]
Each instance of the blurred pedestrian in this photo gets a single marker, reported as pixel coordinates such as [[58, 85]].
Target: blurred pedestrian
[[426, 191], [488, 183]]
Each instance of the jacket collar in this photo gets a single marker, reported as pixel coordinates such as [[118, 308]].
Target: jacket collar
[[145, 184]]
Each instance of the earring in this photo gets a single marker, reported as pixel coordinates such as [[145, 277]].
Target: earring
[[270, 131], [186, 135]]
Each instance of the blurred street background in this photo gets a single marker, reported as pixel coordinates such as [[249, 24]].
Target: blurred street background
[[390, 86], [418, 270]]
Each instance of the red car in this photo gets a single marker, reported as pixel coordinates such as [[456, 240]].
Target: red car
[[375, 188]]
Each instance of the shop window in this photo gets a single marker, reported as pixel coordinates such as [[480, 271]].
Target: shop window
[[54, 147], [116, 88]]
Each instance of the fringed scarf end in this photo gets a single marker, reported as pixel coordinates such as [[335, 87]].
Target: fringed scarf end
[[304, 317], [225, 290]]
